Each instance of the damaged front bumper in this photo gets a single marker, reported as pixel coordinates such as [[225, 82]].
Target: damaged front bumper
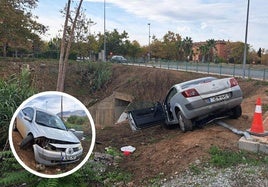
[[50, 157]]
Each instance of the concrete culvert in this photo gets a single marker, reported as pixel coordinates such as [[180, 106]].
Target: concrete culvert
[[108, 111]]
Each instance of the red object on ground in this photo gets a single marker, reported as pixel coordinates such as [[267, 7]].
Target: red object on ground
[[126, 153], [257, 124]]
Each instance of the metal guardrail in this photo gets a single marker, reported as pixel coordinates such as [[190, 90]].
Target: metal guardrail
[[258, 72]]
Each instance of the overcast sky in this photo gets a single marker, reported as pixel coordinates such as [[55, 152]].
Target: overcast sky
[[199, 19]]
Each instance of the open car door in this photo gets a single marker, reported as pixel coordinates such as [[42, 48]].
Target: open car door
[[146, 117]]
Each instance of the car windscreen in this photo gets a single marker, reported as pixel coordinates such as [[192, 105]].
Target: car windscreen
[[48, 120]]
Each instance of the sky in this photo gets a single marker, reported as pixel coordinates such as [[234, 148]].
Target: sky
[[52, 103], [199, 19]]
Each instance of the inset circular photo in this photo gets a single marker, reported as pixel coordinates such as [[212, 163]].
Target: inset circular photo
[[52, 134]]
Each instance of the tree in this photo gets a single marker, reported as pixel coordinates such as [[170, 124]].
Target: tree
[[66, 41], [170, 45], [235, 50], [187, 45], [204, 51], [211, 44], [18, 28]]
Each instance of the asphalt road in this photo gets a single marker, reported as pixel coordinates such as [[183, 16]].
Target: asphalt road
[[258, 72]]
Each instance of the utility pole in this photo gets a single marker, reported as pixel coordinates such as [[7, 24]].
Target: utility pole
[[149, 53], [245, 46]]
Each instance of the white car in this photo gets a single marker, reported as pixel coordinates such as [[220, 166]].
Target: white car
[[191, 103], [52, 142]]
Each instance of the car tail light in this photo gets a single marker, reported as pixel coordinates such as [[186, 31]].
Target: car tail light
[[190, 93], [233, 82]]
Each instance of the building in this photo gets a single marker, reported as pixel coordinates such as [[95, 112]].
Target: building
[[220, 50]]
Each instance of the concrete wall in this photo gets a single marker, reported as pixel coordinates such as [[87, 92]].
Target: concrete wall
[[106, 112]]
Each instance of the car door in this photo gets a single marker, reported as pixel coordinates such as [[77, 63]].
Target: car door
[[167, 107], [146, 117]]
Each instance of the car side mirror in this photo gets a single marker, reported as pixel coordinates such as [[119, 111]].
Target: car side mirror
[[28, 118]]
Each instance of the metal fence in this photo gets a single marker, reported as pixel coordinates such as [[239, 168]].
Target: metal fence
[[258, 72]]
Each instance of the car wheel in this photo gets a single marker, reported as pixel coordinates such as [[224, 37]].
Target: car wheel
[[185, 124], [26, 142], [236, 112], [15, 125]]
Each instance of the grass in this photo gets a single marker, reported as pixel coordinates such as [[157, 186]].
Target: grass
[[227, 158]]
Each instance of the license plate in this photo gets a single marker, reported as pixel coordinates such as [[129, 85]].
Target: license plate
[[219, 98]]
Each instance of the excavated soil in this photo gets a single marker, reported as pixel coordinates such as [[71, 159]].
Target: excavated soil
[[159, 151]]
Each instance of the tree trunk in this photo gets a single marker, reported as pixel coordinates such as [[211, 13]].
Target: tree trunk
[[66, 46], [62, 50]]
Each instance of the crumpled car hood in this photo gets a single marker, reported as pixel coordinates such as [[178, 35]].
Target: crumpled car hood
[[56, 134]]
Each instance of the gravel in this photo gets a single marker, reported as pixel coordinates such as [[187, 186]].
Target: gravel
[[236, 176]]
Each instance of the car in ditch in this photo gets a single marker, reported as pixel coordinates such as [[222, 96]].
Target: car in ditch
[[52, 142], [192, 103]]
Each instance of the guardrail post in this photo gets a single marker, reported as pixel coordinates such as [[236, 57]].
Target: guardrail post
[[208, 67], [234, 70], [248, 72]]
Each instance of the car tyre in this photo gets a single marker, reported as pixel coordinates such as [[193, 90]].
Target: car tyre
[[185, 124], [236, 112], [26, 142]]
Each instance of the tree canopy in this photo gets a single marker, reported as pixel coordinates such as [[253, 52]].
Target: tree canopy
[[18, 27]]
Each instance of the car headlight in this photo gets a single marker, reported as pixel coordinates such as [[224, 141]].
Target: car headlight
[[80, 146], [69, 151]]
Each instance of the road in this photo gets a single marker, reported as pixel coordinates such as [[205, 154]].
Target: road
[[258, 72]]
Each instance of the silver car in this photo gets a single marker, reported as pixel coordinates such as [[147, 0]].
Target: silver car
[[193, 103], [52, 142]]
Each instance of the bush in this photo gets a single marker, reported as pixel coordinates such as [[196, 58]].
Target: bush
[[13, 92], [77, 120], [97, 75]]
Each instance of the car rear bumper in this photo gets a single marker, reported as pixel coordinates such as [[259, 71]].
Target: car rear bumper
[[48, 157], [200, 108]]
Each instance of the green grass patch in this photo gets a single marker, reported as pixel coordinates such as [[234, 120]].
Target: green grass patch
[[113, 151], [228, 158]]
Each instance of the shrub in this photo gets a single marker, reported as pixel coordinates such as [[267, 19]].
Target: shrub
[[97, 75], [13, 92]]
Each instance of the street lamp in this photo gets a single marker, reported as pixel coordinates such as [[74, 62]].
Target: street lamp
[[149, 53], [104, 35]]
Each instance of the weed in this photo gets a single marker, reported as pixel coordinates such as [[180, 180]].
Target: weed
[[13, 92], [118, 176], [112, 151], [195, 169], [156, 180], [228, 158], [97, 75]]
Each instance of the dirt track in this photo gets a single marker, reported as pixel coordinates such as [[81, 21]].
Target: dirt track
[[160, 150]]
